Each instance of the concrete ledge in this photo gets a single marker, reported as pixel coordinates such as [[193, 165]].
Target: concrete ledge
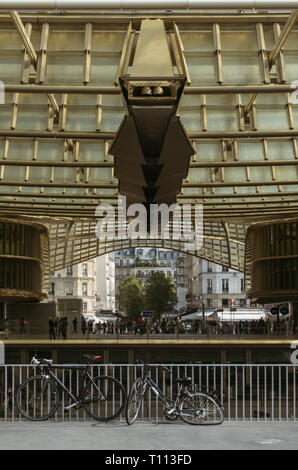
[[144, 341]]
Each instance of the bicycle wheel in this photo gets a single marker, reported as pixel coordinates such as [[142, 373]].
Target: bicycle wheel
[[200, 408], [104, 398], [37, 398], [134, 401]]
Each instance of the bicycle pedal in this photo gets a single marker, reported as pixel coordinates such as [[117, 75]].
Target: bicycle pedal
[[73, 406]]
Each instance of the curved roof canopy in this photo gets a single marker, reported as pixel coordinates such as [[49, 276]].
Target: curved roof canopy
[[63, 107]]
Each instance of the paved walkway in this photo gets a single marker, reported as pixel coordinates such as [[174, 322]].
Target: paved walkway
[[142, 436]]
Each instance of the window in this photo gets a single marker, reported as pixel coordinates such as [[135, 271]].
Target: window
[[225, 269], [209, 303], [225, 285], [242, 284], [225, 303], [85, 270], [209, 267], [84, 289], [52, 291], [85, 306], [209, 286], [69, 288], [69, 271]]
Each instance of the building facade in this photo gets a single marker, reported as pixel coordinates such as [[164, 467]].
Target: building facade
[[214, 285], [105, 282], [93, 282], [142, 262], [76, 282]]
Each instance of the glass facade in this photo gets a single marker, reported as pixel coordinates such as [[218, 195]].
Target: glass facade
[[272, 261]]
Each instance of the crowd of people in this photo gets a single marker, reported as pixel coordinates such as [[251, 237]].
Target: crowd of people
[[58, 327]]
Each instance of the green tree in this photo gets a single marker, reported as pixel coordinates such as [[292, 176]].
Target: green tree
[[131, 297], [160, 293]]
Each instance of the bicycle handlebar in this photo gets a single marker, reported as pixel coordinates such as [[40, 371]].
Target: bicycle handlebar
[[39, 362], [151, 366]]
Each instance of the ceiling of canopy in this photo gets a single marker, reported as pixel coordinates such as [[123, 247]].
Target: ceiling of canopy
[[63, 107]]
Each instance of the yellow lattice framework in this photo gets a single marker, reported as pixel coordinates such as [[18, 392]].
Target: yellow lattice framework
[[63, 108]]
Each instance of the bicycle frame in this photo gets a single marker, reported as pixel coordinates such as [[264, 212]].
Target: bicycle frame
[[169, 403], [47, 373]]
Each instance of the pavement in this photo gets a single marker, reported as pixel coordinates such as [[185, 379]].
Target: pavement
[[118, 436]]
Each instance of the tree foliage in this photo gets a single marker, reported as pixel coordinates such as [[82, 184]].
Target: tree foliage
[[160, 293], [131, 297]]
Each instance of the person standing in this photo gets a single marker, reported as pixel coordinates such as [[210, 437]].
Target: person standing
[[75, 325], [52, 328], [83, 325], [60, 327], [56, 326], [64, 328]]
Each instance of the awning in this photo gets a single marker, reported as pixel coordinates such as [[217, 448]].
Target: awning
[[210, 315]]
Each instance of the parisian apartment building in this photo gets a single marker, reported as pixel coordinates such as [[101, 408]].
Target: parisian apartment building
[[93, 282], [105, 282], [76, 282], [141, 262], [214, 285]]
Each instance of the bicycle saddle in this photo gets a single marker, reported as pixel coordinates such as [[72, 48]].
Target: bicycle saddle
[[184, 380], [92, 357]]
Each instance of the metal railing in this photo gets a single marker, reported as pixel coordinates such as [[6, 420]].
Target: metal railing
[[249, 392]]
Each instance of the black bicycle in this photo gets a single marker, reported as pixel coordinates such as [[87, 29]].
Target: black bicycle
[[38, 397], [192, 405]]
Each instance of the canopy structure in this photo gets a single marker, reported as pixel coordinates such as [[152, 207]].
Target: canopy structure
[[63, 106]]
